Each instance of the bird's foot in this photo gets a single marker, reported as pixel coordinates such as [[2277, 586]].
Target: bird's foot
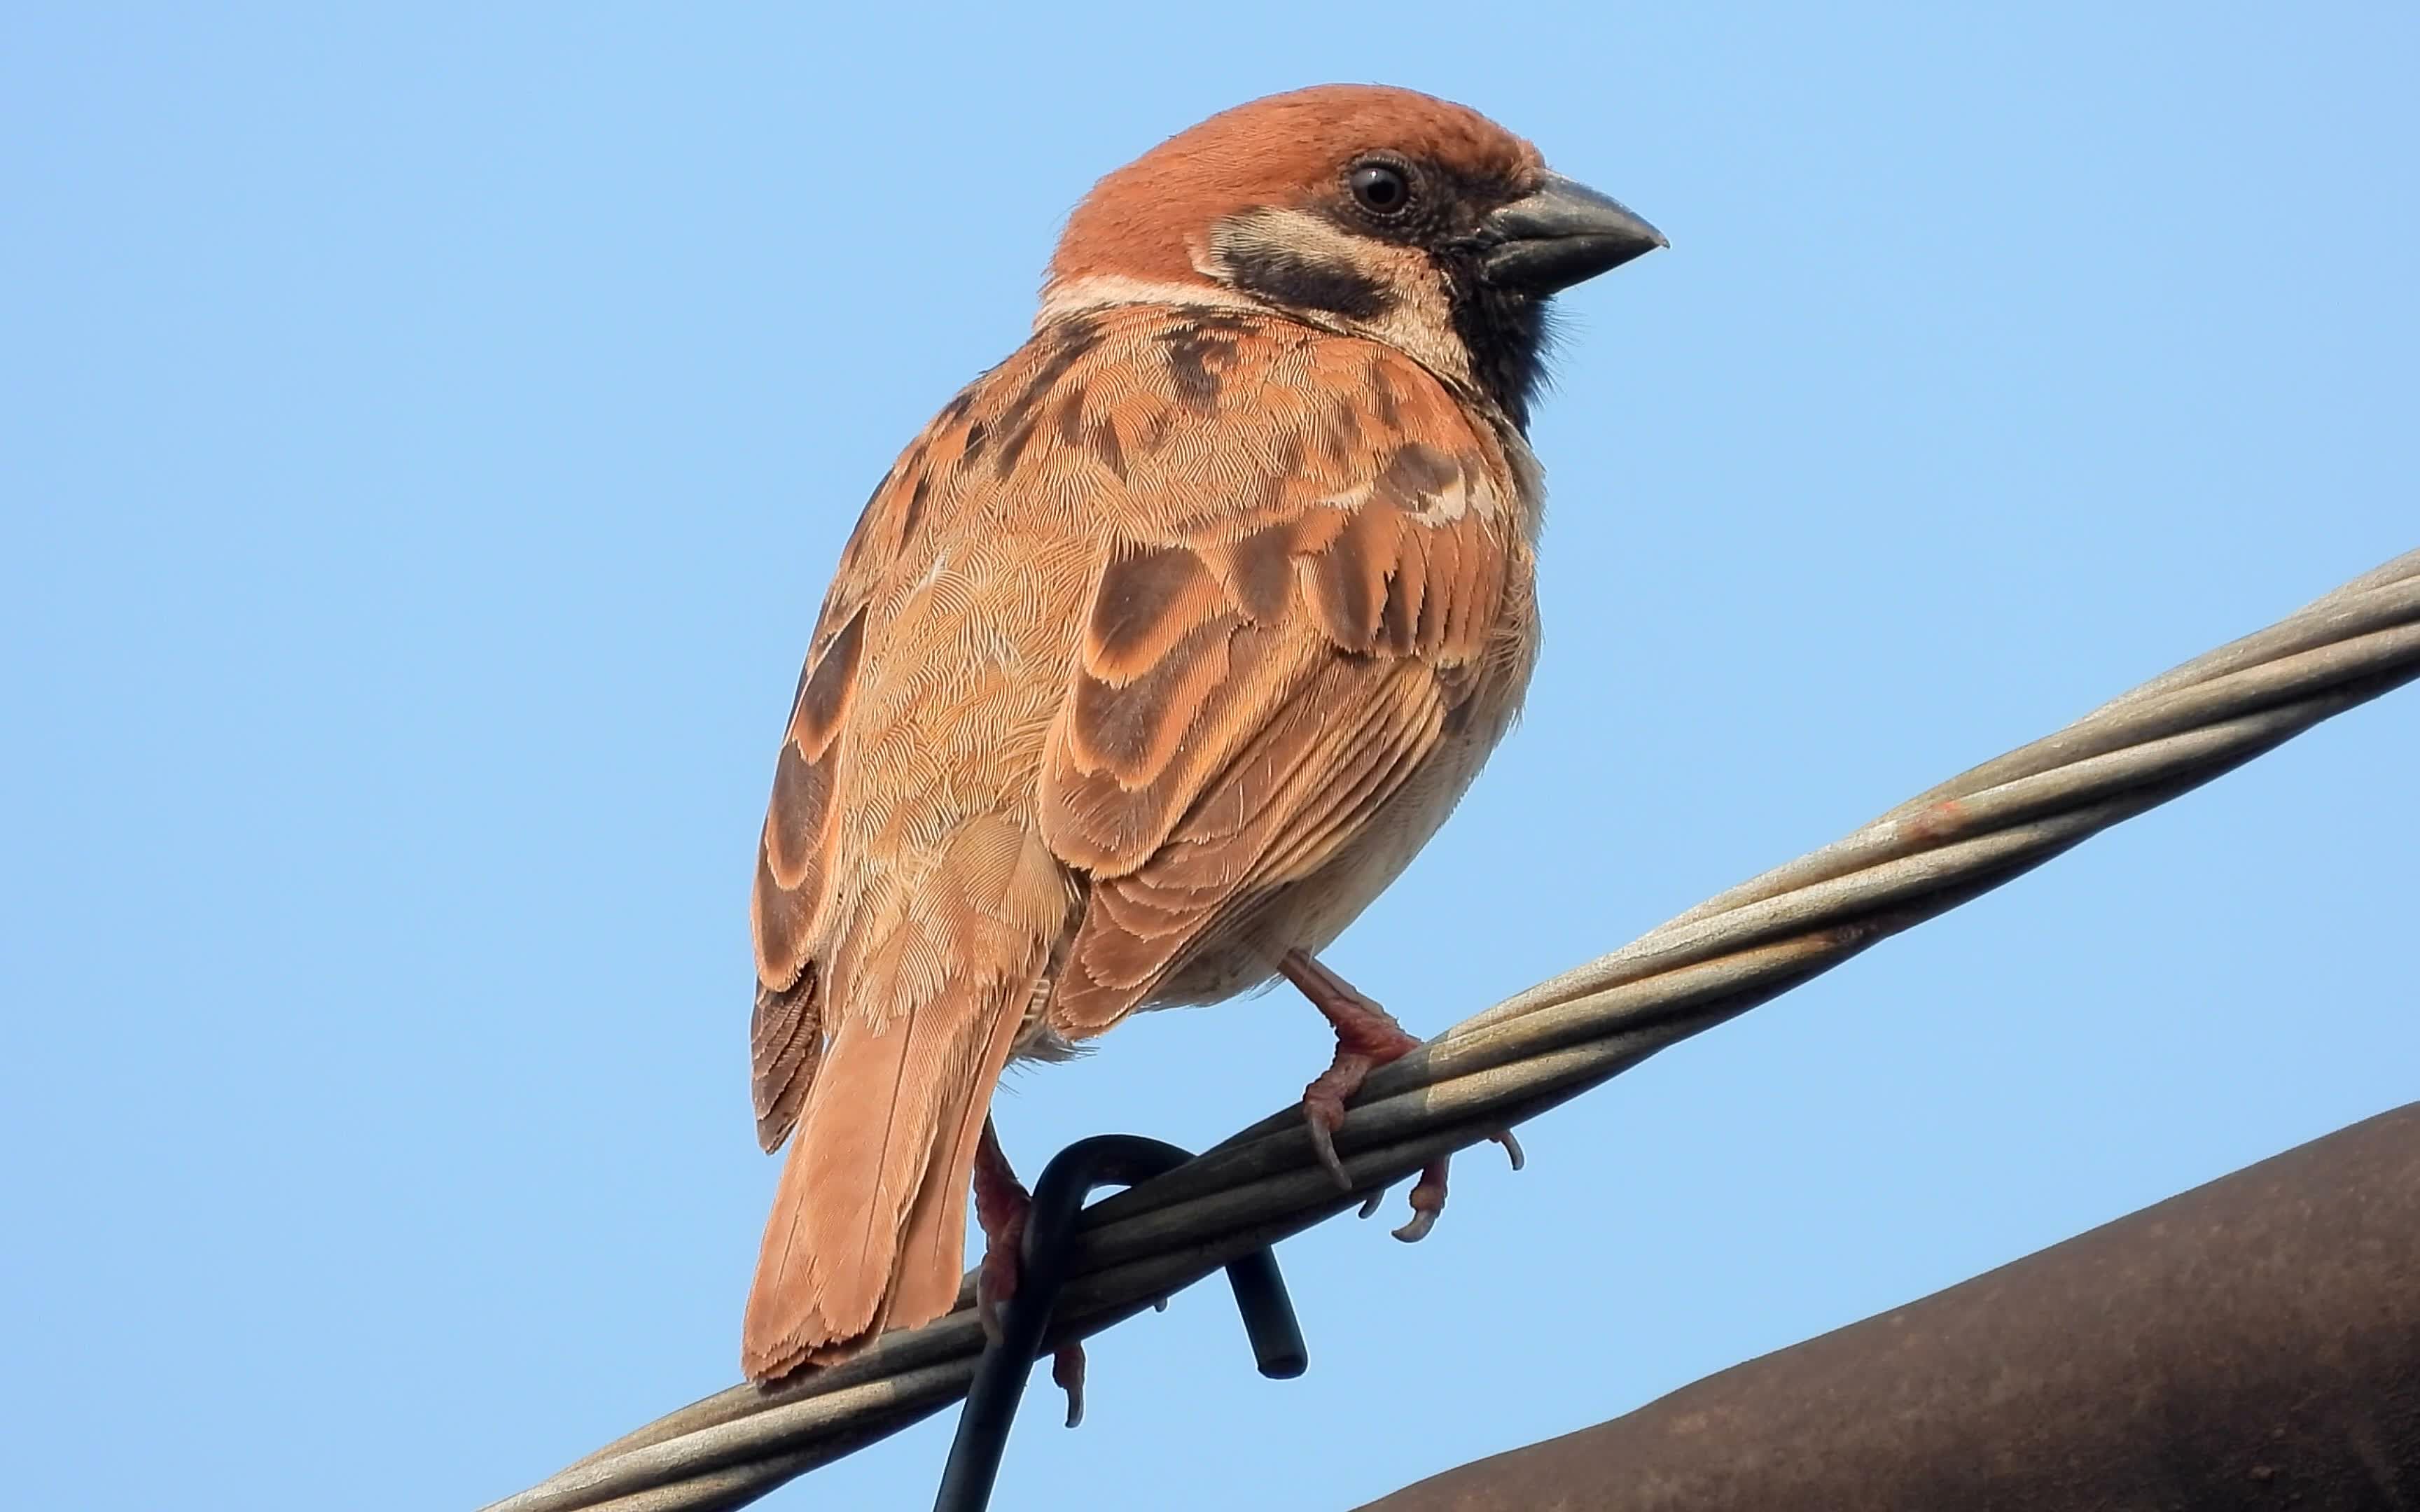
[[1367, 1038], [1002, 1206]]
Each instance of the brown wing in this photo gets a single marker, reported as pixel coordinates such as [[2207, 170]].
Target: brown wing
[[1295, 613], [787, 1035], [906, 907], [1300, 547], [943, 638]]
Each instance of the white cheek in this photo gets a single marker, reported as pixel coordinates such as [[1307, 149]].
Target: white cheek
[[1420, 325]]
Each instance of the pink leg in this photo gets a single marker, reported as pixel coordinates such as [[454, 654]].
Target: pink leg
[[1367, 1038], [1001, 1207]]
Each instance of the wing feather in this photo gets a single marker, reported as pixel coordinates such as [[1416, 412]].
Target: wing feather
[[791, 897], [1267, 664]]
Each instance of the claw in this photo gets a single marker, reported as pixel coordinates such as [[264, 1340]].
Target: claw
[[1428, 1200], [1067, 1370], [1323, 1113], [1512, 1147]]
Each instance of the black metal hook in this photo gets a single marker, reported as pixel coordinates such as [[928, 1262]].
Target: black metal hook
[[1103, 1160]]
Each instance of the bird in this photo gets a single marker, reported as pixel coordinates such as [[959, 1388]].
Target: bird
[[1157, 655]]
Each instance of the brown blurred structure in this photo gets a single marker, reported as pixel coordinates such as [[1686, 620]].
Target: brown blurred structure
[[2254, 1343]]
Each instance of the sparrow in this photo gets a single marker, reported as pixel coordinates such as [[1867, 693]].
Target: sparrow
[[1154, 659]]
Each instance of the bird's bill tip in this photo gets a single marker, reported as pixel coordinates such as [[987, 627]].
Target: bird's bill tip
[[1564, 233]]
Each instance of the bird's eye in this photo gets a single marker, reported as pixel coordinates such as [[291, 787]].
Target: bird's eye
[[1380, 188]]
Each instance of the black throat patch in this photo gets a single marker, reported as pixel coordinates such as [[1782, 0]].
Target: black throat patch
[[1506, 334]]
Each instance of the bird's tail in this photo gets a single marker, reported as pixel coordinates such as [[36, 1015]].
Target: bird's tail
[[868, 1228]]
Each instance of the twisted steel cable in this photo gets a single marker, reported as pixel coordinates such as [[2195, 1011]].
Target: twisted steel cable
[[1563, 1037]]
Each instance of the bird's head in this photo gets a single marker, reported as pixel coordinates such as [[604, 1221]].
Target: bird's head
[[1378, 211]]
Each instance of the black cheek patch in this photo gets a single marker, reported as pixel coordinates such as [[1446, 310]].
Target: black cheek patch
[[1292, 281]]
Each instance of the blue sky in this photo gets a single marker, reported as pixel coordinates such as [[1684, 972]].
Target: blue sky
[[427, 431]]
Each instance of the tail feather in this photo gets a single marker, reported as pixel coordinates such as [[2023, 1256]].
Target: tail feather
[[933, 1251], [864, 1151], [868, 1226]]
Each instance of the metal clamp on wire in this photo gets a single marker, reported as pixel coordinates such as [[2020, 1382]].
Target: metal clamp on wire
[[1103, 1160]]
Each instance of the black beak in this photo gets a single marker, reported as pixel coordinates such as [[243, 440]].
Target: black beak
[[1563, 234]]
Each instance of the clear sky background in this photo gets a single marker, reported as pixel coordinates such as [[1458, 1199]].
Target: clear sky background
[[426, 432]]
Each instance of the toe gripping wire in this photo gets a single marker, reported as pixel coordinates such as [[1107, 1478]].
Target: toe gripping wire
[[1103, 1160]]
